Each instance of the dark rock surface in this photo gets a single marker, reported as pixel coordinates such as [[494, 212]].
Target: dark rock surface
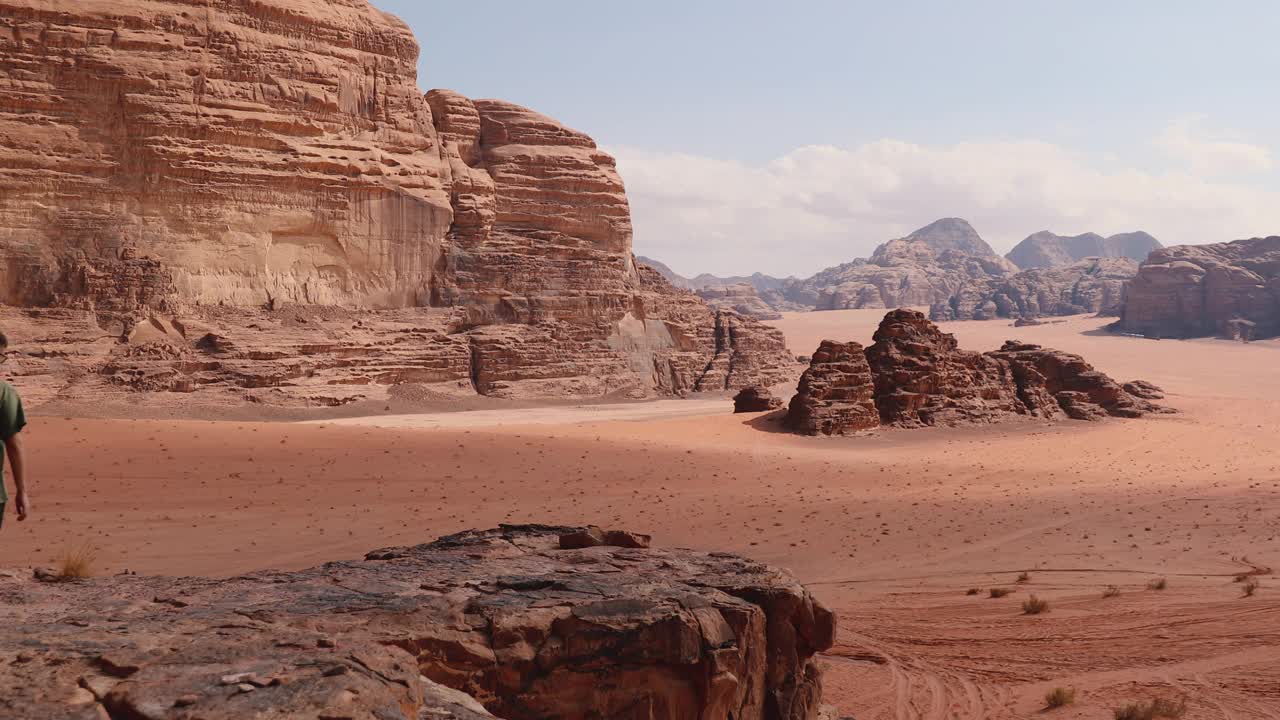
[[500, 618], [755, 399], [835, 394]]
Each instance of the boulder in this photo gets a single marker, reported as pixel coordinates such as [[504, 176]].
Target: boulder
[[755, 399], [500, 621]]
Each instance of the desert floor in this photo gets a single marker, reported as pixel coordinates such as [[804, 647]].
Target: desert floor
[[892, 530]]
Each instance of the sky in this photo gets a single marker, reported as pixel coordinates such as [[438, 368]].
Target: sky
[[788, 137]]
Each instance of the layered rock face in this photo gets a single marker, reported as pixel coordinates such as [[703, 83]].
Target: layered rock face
[[835, 394], [1047, 250], [183, 164], [266, 149], [1094, 285], [915, 375], [1228, 289], [503, 622], [740, 298]]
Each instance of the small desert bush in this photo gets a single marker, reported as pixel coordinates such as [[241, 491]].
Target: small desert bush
[[1111, 591], [1024, 577], [1158, 584], [1059, 697], [77, 563], [1242, 577], [1034, 606], [1158, 708], [1250, 587], [973, 591], [999, 592]]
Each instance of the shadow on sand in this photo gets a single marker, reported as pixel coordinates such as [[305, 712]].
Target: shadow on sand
[[769, 422]]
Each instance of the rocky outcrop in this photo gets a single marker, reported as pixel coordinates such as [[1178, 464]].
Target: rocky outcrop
[[1228, 290], [755, 399], [835, 394], [502, 621], [740, 298], [1047, 250], [184, 164], [1094, 285], [915, 375]]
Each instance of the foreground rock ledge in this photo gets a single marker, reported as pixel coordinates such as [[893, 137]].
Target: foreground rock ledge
[[499, 621]]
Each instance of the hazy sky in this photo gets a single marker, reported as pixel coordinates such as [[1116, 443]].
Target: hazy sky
[[786, 137]]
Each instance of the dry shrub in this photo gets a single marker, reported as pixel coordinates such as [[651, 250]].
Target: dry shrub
[[77, 563], [999, 592], [1158, 708], [1034, 606], [1059, 697]]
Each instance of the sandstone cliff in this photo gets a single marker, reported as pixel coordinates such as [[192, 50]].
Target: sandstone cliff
[[182, 164], [1047, 250], [1227, 289], [741, 298], [915, 375], [504, 622]]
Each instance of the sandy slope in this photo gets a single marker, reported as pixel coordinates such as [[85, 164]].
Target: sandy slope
[[892, 529]]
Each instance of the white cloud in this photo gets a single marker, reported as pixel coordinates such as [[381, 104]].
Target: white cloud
[[819, 205], [1184, 140]]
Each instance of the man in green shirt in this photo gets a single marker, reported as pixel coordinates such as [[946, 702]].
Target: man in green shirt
[[12, 420]]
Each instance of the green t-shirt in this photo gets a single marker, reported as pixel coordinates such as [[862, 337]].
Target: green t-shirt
[[12, 420]]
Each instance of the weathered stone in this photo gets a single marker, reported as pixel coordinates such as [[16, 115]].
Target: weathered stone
[[280, 155], [755, 399], [835, 393], [511, 623], [1228, 289], [742, 298], [915, 375]]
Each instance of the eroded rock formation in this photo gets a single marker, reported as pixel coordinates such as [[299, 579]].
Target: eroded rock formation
[[1047, 250], [835, 394], [755, 399], [915, 375], [183, 164], [1094, 285], [503, 619], [1229, 289]]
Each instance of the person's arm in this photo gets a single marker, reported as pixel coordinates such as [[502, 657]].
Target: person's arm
[[13, 448]]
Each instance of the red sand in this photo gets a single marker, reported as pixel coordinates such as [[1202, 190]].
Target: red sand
[[891, 530]]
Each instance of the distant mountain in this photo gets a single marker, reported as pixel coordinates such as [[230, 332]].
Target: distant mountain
[[1047, 250], [759, 281], [672, 277], [951, 234]]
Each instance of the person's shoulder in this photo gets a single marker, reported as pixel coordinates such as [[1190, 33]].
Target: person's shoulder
[[7, 390]]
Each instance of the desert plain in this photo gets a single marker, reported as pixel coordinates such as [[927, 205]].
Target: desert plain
[[892, 529]]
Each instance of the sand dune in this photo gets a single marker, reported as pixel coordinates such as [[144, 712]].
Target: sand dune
[[891, 529]]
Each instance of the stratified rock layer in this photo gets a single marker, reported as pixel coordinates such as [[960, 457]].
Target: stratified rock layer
[[835, 393], [185, 163], [741, 298], [504, 619], [1228, 289], [915, 375]]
